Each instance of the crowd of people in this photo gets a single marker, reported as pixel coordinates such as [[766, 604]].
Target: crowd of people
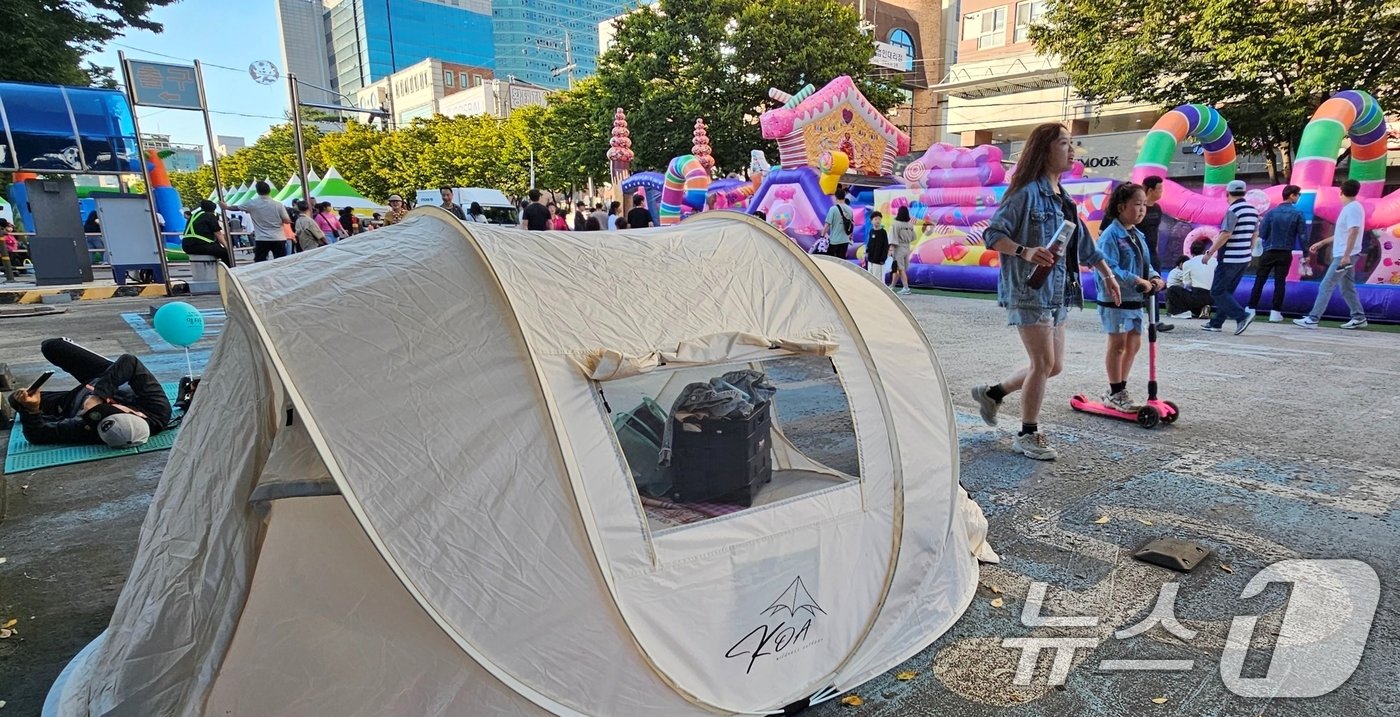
[[537, 215], [1123, 258]]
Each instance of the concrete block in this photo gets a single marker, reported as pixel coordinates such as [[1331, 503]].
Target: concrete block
[[55, 299]]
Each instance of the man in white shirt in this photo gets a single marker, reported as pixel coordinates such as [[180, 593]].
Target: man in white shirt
[[268, 217], [1188, 287], [1346, 244]]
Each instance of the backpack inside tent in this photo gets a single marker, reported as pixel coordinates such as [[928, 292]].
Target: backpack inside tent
[[456, 469]]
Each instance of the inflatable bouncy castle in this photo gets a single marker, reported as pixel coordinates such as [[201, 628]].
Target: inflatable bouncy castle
[[821, 135]]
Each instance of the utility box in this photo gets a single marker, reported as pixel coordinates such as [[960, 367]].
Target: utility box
[[58, 248]]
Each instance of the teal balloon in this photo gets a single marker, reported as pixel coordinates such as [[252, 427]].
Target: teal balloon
[[179, 323]]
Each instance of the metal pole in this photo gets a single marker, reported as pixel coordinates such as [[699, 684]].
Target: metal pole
[[532, 168], [214, 163], [296, 137], [146, 173]]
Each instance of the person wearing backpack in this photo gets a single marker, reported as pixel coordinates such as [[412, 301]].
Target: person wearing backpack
[[840, 223]]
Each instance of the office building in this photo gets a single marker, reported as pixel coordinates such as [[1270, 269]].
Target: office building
[[372, 39], [178, 157], [497, 98], [417, 90], [998, 90], [536, 40], [227, 144], [304, 31]]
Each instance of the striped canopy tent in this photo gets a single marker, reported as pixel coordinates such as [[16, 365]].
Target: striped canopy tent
[[292, 191], [339, 193]]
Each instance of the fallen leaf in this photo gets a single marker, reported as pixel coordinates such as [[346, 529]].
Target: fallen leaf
[[4, 560], [998, 602], [1227, 568], [1038, 517], [4, 634], [995, 590], [906, 675], [1101, 521], [1159, 700], [852, 701], [2, 704], [11, 622], [1144, 522], [24, 487]]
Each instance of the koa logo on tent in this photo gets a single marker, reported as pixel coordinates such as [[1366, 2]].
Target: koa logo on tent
[[793, 612]]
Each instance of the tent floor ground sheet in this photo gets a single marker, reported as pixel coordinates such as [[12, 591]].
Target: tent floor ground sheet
[[1263, 466]]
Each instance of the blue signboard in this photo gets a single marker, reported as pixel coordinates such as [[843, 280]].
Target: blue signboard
[[51, 128], [156, 84]]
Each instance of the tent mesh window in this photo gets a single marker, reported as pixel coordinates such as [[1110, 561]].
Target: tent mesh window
[[703, 442]]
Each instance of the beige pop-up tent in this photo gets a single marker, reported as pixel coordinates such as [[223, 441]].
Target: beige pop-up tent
[[400, 491]]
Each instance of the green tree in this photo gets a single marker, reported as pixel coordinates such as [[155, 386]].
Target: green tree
[[1265, 64], [681, 59], [46, 40], [193, 186], [273, 156], [352, 153]]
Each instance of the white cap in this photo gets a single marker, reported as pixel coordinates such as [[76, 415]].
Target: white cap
[[123, 430]]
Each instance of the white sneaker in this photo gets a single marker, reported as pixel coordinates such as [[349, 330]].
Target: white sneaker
[[1121, 401], [1034, 445], [1306, 322], [986, 405], [1183, 315], [1275, 317], [905, 291], [1354, 324], [1244, 323]]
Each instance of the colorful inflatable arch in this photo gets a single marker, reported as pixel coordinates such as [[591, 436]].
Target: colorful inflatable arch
[[686, 185], [1210, 129], [1357, 115]]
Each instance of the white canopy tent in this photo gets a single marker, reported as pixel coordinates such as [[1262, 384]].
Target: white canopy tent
[[426, 511]]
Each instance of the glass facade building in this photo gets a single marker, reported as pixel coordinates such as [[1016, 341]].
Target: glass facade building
[[529, 36], [371, 39]]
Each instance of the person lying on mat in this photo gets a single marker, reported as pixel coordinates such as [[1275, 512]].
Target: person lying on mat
[[119, 403]]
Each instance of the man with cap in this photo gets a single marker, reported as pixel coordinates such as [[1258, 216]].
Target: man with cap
[[119, 403], [1234, 247], [397, 211]]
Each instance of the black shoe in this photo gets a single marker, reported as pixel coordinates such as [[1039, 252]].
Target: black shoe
[[1163, 327]]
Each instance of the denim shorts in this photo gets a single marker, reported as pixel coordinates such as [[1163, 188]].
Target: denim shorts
[[1037, 317], [1121, 321]]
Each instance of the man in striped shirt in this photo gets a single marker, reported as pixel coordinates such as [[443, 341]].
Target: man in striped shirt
[[1234, 248]]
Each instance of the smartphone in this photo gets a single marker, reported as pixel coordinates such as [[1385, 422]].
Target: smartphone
[[39, 382]]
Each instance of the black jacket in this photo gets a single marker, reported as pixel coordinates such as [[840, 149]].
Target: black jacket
[[127, 380]]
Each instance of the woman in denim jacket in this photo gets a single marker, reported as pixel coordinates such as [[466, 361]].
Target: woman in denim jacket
[[1030, 214], [1125, 249]]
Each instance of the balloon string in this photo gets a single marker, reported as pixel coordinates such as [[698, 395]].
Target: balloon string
[[189, 365]]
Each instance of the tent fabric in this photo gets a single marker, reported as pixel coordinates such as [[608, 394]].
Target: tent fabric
[[486, 546]]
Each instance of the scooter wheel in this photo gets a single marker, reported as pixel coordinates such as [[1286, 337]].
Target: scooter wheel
[[1176, 412], [1148, 417]]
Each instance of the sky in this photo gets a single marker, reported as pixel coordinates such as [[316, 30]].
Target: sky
[[215, 32]]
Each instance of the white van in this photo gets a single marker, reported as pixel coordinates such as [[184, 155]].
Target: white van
[[494, 204]]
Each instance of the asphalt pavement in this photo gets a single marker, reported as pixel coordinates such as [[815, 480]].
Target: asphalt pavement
[[1285, 450]]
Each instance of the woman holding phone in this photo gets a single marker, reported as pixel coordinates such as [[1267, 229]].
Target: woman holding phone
[[1042, 244]]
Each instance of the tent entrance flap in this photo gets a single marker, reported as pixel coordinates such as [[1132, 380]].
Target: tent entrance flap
[[706, 442]]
